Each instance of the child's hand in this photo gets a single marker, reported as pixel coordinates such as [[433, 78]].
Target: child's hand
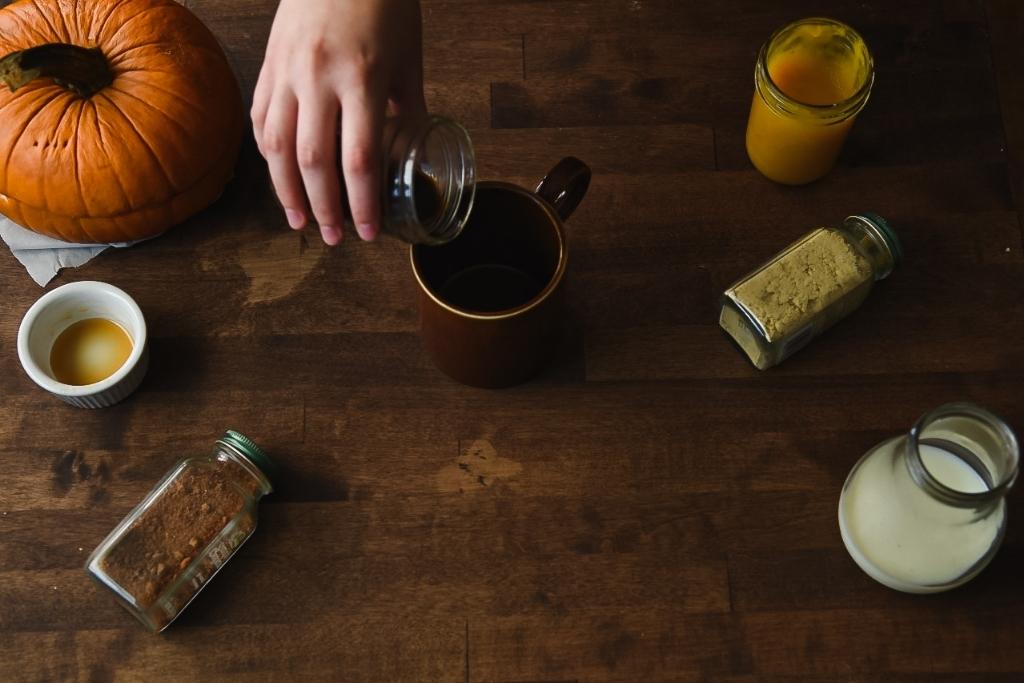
[[334, 65]]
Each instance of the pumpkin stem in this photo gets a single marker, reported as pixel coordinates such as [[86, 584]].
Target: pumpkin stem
[[82, 70]]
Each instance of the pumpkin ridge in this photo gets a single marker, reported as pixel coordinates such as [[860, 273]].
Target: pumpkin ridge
[[145, 143], [39, 88], [56, 146], [140, 46], [89, 33], [103, 142], [78, 156], [25, 89], [78, 219], [81, 226], [64, 22], [10, 150], [177, 124], [22, 25], [131, 19], [74, 13], [98, 34], [170, 118], [133, 210], [78, 226], [64, 236], [124, 226], [53, 27], [215, 51]]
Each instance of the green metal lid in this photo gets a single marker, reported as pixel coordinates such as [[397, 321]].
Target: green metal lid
[[887, 233], [250, 450]]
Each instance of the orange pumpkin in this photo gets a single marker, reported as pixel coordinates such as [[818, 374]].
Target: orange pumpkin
[[121, 117]]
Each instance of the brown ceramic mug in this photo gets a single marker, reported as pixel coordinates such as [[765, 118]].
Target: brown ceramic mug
[[490, 300]]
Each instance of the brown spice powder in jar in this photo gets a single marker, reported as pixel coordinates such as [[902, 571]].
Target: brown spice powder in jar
[[190, 514], [166, 549]]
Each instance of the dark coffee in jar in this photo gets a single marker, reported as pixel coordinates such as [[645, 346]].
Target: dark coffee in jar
[[427, 183], [427, 197]]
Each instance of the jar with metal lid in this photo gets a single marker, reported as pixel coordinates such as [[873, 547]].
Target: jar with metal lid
[[925, 512], [808, 287], [169, 547], [429, 180]]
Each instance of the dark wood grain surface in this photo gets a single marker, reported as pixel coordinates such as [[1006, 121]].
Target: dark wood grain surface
[[651, 508]]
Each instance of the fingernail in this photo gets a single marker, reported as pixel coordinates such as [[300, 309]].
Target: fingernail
[[295, 218], [332, 235], [367, 231]]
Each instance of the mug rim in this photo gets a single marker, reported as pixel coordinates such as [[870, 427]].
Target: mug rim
[[541, 297]]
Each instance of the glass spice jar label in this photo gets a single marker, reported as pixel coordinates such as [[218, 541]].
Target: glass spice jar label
[[169, 547], [781, 306]]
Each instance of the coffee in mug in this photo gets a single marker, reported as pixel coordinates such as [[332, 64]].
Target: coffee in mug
[[490, 299]]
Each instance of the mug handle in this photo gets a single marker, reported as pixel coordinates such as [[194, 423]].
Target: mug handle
[[565, 185]]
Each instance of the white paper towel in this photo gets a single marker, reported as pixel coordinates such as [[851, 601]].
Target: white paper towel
[[42, 256]]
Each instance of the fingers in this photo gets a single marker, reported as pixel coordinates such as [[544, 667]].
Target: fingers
[[316, 158], [277, 144], [260, 104], [296, 131], [361, 122]]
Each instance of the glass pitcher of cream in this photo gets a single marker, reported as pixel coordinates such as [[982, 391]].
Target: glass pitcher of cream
[[926, 512]]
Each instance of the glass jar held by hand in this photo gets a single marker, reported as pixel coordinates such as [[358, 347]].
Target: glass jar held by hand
[[428, 180], [811, 80], [926, 512]]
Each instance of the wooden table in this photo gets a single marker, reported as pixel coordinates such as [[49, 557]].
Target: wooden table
[[651, 508]]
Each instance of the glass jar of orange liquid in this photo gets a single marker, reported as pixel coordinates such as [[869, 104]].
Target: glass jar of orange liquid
[[811, 80]]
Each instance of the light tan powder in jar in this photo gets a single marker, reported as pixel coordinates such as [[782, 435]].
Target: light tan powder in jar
[[791, 290]]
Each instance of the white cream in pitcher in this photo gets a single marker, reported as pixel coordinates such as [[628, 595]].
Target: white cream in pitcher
[[901, 534], [926, 512]]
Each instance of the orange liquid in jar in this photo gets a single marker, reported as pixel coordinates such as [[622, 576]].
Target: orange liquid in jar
[[813, 68], [89, 351], [806, 78]]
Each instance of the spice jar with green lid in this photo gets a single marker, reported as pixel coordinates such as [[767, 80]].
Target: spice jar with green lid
[[813, 283], [169, 547]]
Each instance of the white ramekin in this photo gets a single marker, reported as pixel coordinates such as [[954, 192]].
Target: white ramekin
[[54, 312]]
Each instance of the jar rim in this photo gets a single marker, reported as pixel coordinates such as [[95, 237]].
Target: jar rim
[[455, 140], [878, 230], [924, 478], [830, 113]]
